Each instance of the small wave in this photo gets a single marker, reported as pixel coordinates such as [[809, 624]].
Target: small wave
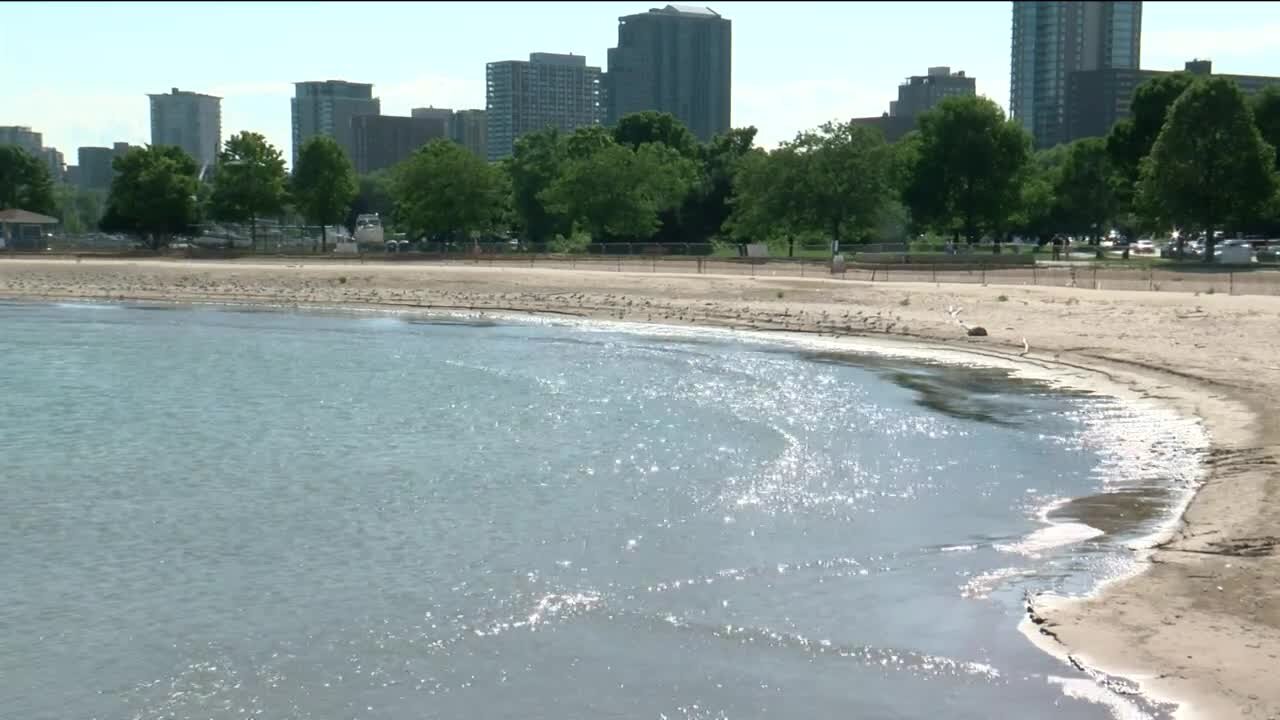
[[905, 660], [981, 586], [1048, 538], [87, 306]]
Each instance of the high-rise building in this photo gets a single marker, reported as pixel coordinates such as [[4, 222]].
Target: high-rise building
[[444, 115], [326, 108], [23, 137], [95, 171], [918, 95], [189, 120], [382, 141], [1054, 38], [469, 128], [675, 59], [95, 167], [54, 160], [547, 90], [1098, 99]]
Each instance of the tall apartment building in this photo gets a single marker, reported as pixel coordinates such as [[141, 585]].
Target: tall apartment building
[[95, 167], [23, 137], [94, 171], [676, 59], [33, 143], [382, 141], [547, 90], [326, 108], [189, 120], [468, 128], [444, 115], [1054, 38], [918, 95], [54, 160], [1098, 99]]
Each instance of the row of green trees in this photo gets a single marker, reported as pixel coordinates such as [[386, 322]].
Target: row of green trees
[[1194, 155], [156, 192]]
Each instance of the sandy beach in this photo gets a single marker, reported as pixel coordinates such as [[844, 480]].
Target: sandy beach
[[1200, 625]]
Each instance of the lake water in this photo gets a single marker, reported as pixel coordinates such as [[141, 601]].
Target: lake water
[[219, 513]]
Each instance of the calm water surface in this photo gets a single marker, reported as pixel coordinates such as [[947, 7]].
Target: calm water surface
[[210, 513]]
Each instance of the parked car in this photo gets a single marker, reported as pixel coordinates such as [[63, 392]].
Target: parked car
[[1144, 246]]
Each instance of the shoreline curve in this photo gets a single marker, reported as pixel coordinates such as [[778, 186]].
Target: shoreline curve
[[1198, 625]]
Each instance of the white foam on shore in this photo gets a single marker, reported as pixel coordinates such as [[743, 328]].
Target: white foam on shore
[[1088, 690]]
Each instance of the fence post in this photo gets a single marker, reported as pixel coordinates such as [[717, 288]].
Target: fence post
[[619, 259], [653, 266], [1095, 277], [1231, 279], [1034, 279], [1151, 280], [873, 274], [984, 275], [933, 269]]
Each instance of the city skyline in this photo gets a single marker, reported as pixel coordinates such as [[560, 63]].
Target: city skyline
[[793, 68]]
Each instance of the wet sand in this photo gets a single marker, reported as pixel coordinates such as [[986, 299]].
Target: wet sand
[[1200, 625]]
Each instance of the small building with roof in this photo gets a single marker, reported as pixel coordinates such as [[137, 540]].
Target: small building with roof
[[23, 229]]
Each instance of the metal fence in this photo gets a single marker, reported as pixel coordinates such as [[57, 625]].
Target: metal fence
[[1208, 280], [697, 259]]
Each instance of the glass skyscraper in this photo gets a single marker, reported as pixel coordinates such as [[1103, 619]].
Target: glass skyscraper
[[676, 59], [1054, 38]]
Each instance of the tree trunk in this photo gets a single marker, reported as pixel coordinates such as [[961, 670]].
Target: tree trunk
[[324, 239], [791, 246], [970, 231], [253, 231], [835, 238]]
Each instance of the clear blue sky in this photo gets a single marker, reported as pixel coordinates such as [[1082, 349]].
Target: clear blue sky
[[82, 72]]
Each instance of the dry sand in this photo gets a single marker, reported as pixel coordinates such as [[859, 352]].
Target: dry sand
[[1200, 625]]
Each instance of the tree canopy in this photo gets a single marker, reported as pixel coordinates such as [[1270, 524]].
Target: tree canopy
[[1131, 139], [24, 182], [538, 159], [1209, 165], [965, 172], [650, 126], [768, 204], [249, 182], [324, 183], [616, 193], [1084, 188], [1266, 115], [444, 191], [153, 195]]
